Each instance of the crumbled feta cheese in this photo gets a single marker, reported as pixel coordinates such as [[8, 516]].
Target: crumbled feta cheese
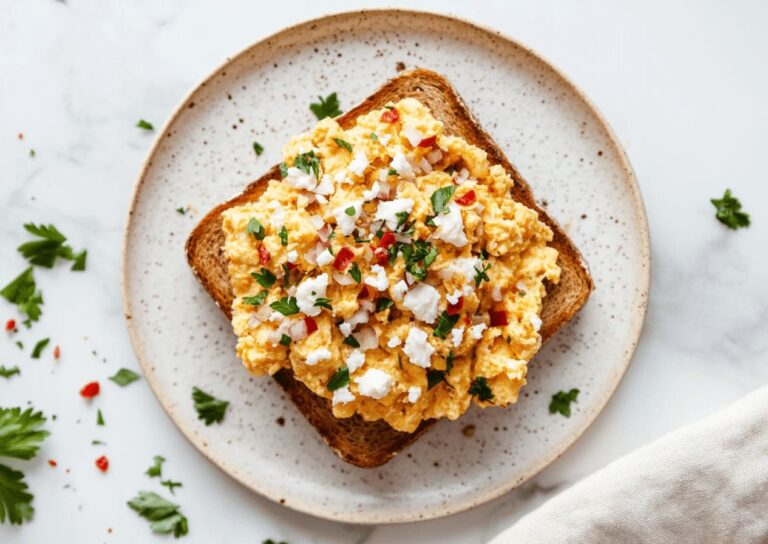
[[367, 338], [325, 257], [414, 394], [309, 291], [398, 290], [325, 187], [374, 383], [277, 217], [300, 179], [380, 281], [401, 165], [358, 318], [457, 335], [394, 341], [454, 297], [345, 328], [358, 164], [373, 192], [464, 266], [345, 221], [417, 348], [450, 226], [314, 357], [477, 330], [413, 135], [434, 156], [342, 396], [387, 211], [422, 300], [535, 321], [292, 256], [316, 221], [355, 360]]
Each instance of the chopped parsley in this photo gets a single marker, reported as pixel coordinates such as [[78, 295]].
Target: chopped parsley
[[146, 125], [480, 274], [256, 300], [98, 443], [307, 162], [339, 379], [124, 377], [283, 236], [383, 303], [402, 217], [430, 221], [729, 211], [285, 340], [209, 408], [391, 172], [264, 277], [430, 257], [323, 302], [258, 148], [441, 197], [51, 245], [171, 485], [351, 341], [164, 516], [434, 376], [181, 211], [286, 306], [23, 292], [413, 253], [7, 372], [256, 228], [445, 323], [283, 170], [354, 271], [350, 211], [286, 275], [32, 153], [39, 347], [343, 143], [327, 107], [374, 136], [99, 418], [481, 389], [561, 402], [156, 470]]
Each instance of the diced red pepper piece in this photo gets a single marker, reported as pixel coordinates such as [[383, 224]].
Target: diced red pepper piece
[[454, 309], [311, 324], [390, 116], [291, 266], [428, 142], [387, 239], [52, 462], [498, 318], [90, 390], [344, 256], [363, 294], [102, 463], [263, 254], [466, 199], [381, 256], [56, 352], [10, 325]]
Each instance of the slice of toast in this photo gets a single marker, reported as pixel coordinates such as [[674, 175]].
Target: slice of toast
[[370, 444]]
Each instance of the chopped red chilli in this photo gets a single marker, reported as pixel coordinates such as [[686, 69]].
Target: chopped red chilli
[[498, 318], [343, 257], [466, 199], [52, 462], [263, 254], [428, 142], [102, 463], [381, 255], [90, 390], [387, 239], [311, 324], [390, 116], [454, 309], [56, 352], [10, 325]]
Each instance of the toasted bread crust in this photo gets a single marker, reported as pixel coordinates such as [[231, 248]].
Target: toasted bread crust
[[359, 442]]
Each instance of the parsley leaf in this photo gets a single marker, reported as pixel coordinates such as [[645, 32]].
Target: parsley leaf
[[7, 372], [323, 302], [124, 376], [283, 170], [156, 470], [209, 408], [286, 306], [146, 125], [181, 210], [99, 418], [285, 340], [171, 485], [561, 402], [350, 211], [441, 197], [164, 516], [257, 299], [374, 136], [729, 211], [430, 257], [258, 148], [434, 377], [327, 107], [22, 292], [445, 323], [79, 261], [383, 303], [391, 172], [39, 347], [351, 341], [283, 236], [270, 541], [264, 277], [51, 246], [307, 162], [481, 389], [339, 379], [15, 501], [21, 432], [481, 274], [343, 143], [354, 271], [256, 228]]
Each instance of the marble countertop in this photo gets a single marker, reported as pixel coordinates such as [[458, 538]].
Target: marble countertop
[[681, 84]]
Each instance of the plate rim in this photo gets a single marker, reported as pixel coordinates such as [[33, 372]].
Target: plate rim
[[435, 512]]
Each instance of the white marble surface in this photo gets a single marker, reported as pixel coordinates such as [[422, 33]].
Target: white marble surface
[[682, 84]]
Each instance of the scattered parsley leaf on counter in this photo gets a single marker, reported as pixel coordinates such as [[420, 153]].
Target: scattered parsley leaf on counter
[[729, 211], [258, 148], [209, 408], [164, 516], [257, 299], [351, 341], [79, 261], [354, 271], [270, 541], [561, 402], [286, 306], [99, 418], [441, 197], [22, 292], [6, 372], [124, 376], [181, 211], [445, 323], [15, 500], [327, 107], [98, 443], [45, 251], [283, 236], [171, 485], [343, 143], [256, 228], [264, 277], [20, 344], [481, 389], [32, 153], [39, 347], [146, 125], [156, 470], [339, 379], [21, 432]]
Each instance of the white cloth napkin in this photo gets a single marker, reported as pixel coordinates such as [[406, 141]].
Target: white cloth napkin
[[705, 483]]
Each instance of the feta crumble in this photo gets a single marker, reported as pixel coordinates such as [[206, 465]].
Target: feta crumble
[[417, 348], [374, 383], [450, 226], [309, 291], [347, 222], [358, 164], [387, 211], [414, 393], [355, 360], [422, 300], [316, 356], [457, 335], [477, 330], [342, 396], [380, 281]]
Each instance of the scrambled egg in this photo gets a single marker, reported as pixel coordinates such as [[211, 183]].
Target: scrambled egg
[[390, 270]]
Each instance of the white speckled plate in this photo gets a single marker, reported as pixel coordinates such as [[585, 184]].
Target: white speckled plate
[[203, 155]]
